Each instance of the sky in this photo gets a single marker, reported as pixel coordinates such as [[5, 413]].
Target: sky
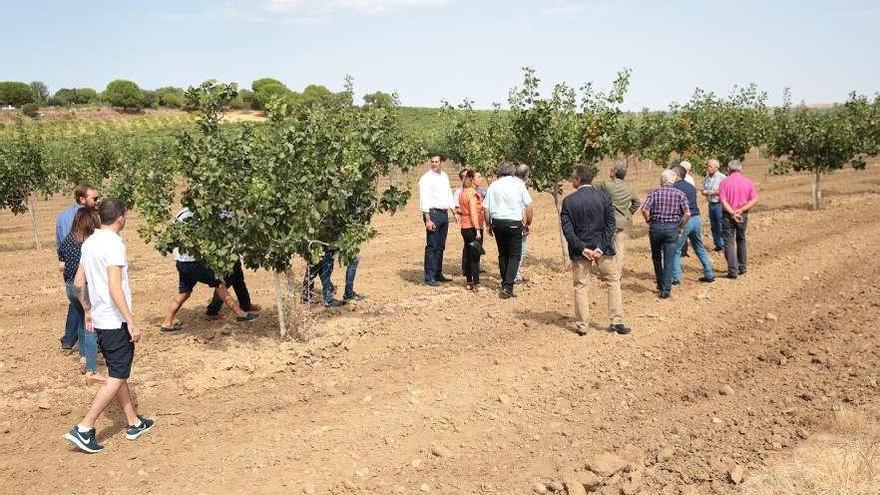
[[429, 51]]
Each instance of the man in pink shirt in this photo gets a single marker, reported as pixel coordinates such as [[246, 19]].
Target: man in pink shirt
[[738, 195]]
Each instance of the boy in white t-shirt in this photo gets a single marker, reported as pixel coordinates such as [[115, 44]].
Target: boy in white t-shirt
[[102, 287]]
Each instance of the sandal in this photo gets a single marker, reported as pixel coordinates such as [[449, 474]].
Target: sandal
[[173, 328]]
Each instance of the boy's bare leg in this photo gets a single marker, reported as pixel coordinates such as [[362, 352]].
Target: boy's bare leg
[[173, 307], [108, 391]]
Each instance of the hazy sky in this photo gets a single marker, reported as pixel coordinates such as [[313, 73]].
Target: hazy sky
[[433, 50]]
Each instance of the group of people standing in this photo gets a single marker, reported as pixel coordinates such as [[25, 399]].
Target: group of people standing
[[502, 210], [594, 221]]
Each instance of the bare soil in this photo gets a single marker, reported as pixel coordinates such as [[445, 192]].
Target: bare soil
[[423, 390]]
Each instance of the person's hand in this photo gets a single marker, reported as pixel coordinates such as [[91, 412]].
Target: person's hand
[[526, 230], [61, 266], [430, 225], [134, 332], [90, 326], [479, 235], [680, 231], [738, 217], [489, 231]]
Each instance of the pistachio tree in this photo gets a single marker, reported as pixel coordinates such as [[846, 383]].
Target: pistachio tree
[[552, 134], [819, 141], [304, 182]]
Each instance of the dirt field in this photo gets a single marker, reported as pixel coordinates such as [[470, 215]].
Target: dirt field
[[421, 390]]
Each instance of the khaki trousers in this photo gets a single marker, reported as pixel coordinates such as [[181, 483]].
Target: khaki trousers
[[619, 247], [608, 271]]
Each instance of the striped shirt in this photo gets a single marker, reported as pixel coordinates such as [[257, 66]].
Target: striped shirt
[[666, 205], [713, 183]]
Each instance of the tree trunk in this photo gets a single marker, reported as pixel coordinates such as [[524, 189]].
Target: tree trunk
[[32, 210], [279, 305], [817, 190], [557, 201]]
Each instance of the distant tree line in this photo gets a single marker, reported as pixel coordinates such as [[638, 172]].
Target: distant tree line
[[127, 95]]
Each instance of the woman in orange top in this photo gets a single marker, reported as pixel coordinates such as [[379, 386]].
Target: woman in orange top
[[472, 224]]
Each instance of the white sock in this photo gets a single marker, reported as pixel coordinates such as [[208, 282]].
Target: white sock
[[83, 429]]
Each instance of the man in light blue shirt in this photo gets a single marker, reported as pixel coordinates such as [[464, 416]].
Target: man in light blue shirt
[[84, 195], [711, 185], [509, 214]]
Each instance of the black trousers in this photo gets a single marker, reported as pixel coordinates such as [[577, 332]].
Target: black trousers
[[235, 280], [735, 243], [470, 257], [508, 236]]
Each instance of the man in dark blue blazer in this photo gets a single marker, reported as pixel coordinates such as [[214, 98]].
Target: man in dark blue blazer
[[588, 225]]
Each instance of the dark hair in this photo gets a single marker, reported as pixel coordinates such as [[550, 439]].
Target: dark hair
[[82, 191], [619, 170], [111, 209], [584, 172], [441, 156], [84, 224], [462, 173], [681, 171]]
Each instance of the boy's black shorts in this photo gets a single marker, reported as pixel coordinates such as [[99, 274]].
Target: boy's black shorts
[[118, 350]]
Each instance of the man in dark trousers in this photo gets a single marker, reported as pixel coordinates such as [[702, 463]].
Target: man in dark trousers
[[667, 211], [508, 209], [589, 225], [435, 202]]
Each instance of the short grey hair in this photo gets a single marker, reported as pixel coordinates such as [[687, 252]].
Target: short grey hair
[[506, 169], [619, 170], [522, 171], [734, 165], [680, 170], [669, 176]]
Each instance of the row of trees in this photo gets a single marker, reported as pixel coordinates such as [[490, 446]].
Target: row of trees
[[127, 94], [551, 132], [309, 178]]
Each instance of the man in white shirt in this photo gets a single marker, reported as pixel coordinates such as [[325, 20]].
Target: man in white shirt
[[102, 287], [190, 272], [435, 201], [508, 208]]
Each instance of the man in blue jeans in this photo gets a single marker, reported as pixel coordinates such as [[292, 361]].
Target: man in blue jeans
[[711, 185], [693, 230], [666, 210], [435, 202]]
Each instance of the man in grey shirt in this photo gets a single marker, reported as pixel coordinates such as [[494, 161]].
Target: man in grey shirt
[[625, 203]]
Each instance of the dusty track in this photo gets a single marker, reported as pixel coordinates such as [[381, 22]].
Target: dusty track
[[443, 390]]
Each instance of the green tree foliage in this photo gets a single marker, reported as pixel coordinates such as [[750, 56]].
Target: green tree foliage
[[304, 181], [170, 97], [721, 128], [40, 92], [819, 142], [74, 96], [15, 93], [265, 90], [472, 140], [552, 134], [380, 99], [124, 94]]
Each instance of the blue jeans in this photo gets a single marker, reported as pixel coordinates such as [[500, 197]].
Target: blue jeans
[[716, 215], [322, 269], [88, 341], [350, 273], [693, 230], [435, 244], [664, 242]]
